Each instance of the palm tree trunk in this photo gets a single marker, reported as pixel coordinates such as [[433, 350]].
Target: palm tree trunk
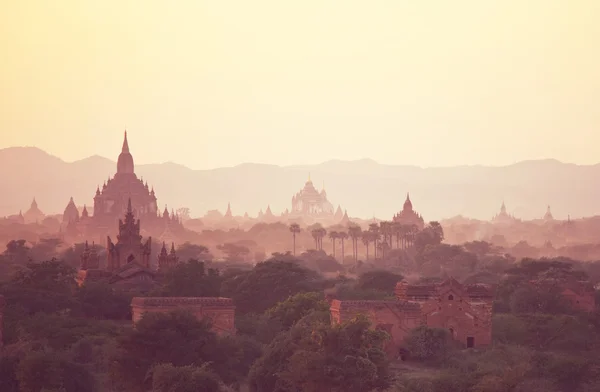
[[367, 251], [342, 250], [294, 237], [333, 241]]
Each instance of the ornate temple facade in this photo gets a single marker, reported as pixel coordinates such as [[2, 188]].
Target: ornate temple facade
[[309, 201], [408, 216], [464, 311], [310, 205], [111, 203], [129, 247], [128, 265], [220, 311]]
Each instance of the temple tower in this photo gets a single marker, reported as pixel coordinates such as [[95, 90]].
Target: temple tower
[[129, 247]]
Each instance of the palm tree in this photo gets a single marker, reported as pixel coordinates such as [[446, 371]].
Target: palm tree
[[294, 229], [383, 246], [366, 239], [354, 233], [386, 231], [321, 232], [315, 236], [342, 235], [374, 229], [411, 232], [333, 235]]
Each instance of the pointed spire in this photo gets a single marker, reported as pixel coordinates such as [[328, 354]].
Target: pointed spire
[[129, 209], [125, 144], [97, 190], [172, 247], [34, 203]]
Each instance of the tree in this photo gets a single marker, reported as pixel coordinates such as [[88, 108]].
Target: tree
[[354, 232], [379, 280], [333, 235], [375, 233], [366, 239], [41, 370], [17, 251], [234, 252], [50, 275], [433, 234], [192, 279], [187, 251], [184, 213], [314, 357], [429, 344], [99, 300], [269, 283], [169, 378], [177, 338], [45, 249], [294, 229], [289, 312], [342, 235], [318, 232]]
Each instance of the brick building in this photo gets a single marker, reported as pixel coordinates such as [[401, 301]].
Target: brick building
[[221, 311], [464, 310]]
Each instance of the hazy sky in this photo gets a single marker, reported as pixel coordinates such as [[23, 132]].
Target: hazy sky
[[216, 83]]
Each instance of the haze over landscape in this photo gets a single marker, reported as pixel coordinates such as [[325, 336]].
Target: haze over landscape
[[364, 187], [213, 84], [299, 196]]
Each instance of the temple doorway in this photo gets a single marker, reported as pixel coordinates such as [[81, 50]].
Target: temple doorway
[[470, 342]]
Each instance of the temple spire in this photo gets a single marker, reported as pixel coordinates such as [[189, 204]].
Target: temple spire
[[129, 209], [125, 144]]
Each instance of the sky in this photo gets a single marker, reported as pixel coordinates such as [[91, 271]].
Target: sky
[[217, 83]]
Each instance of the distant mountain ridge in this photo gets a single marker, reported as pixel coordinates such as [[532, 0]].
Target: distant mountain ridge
[[364, 187]]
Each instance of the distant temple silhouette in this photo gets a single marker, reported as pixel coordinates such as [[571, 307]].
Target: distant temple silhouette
[[408, 216], [503, 216], [312, 206], [111, 203]]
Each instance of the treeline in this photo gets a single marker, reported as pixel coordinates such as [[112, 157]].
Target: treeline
[[60, 337]]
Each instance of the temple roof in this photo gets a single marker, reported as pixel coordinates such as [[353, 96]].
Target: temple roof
[[125, 162]]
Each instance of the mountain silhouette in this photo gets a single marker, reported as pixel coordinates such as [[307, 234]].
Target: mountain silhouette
[[364, 187]]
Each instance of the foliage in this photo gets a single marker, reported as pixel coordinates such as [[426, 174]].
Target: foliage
[[99, 300], [192, 279], [429, 344], [189, 251], [234, 252], [268, 283], [169, 378], [379, 280], [50, 275], [177, 338], [41, 370], [289, 312], [316, 357]]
